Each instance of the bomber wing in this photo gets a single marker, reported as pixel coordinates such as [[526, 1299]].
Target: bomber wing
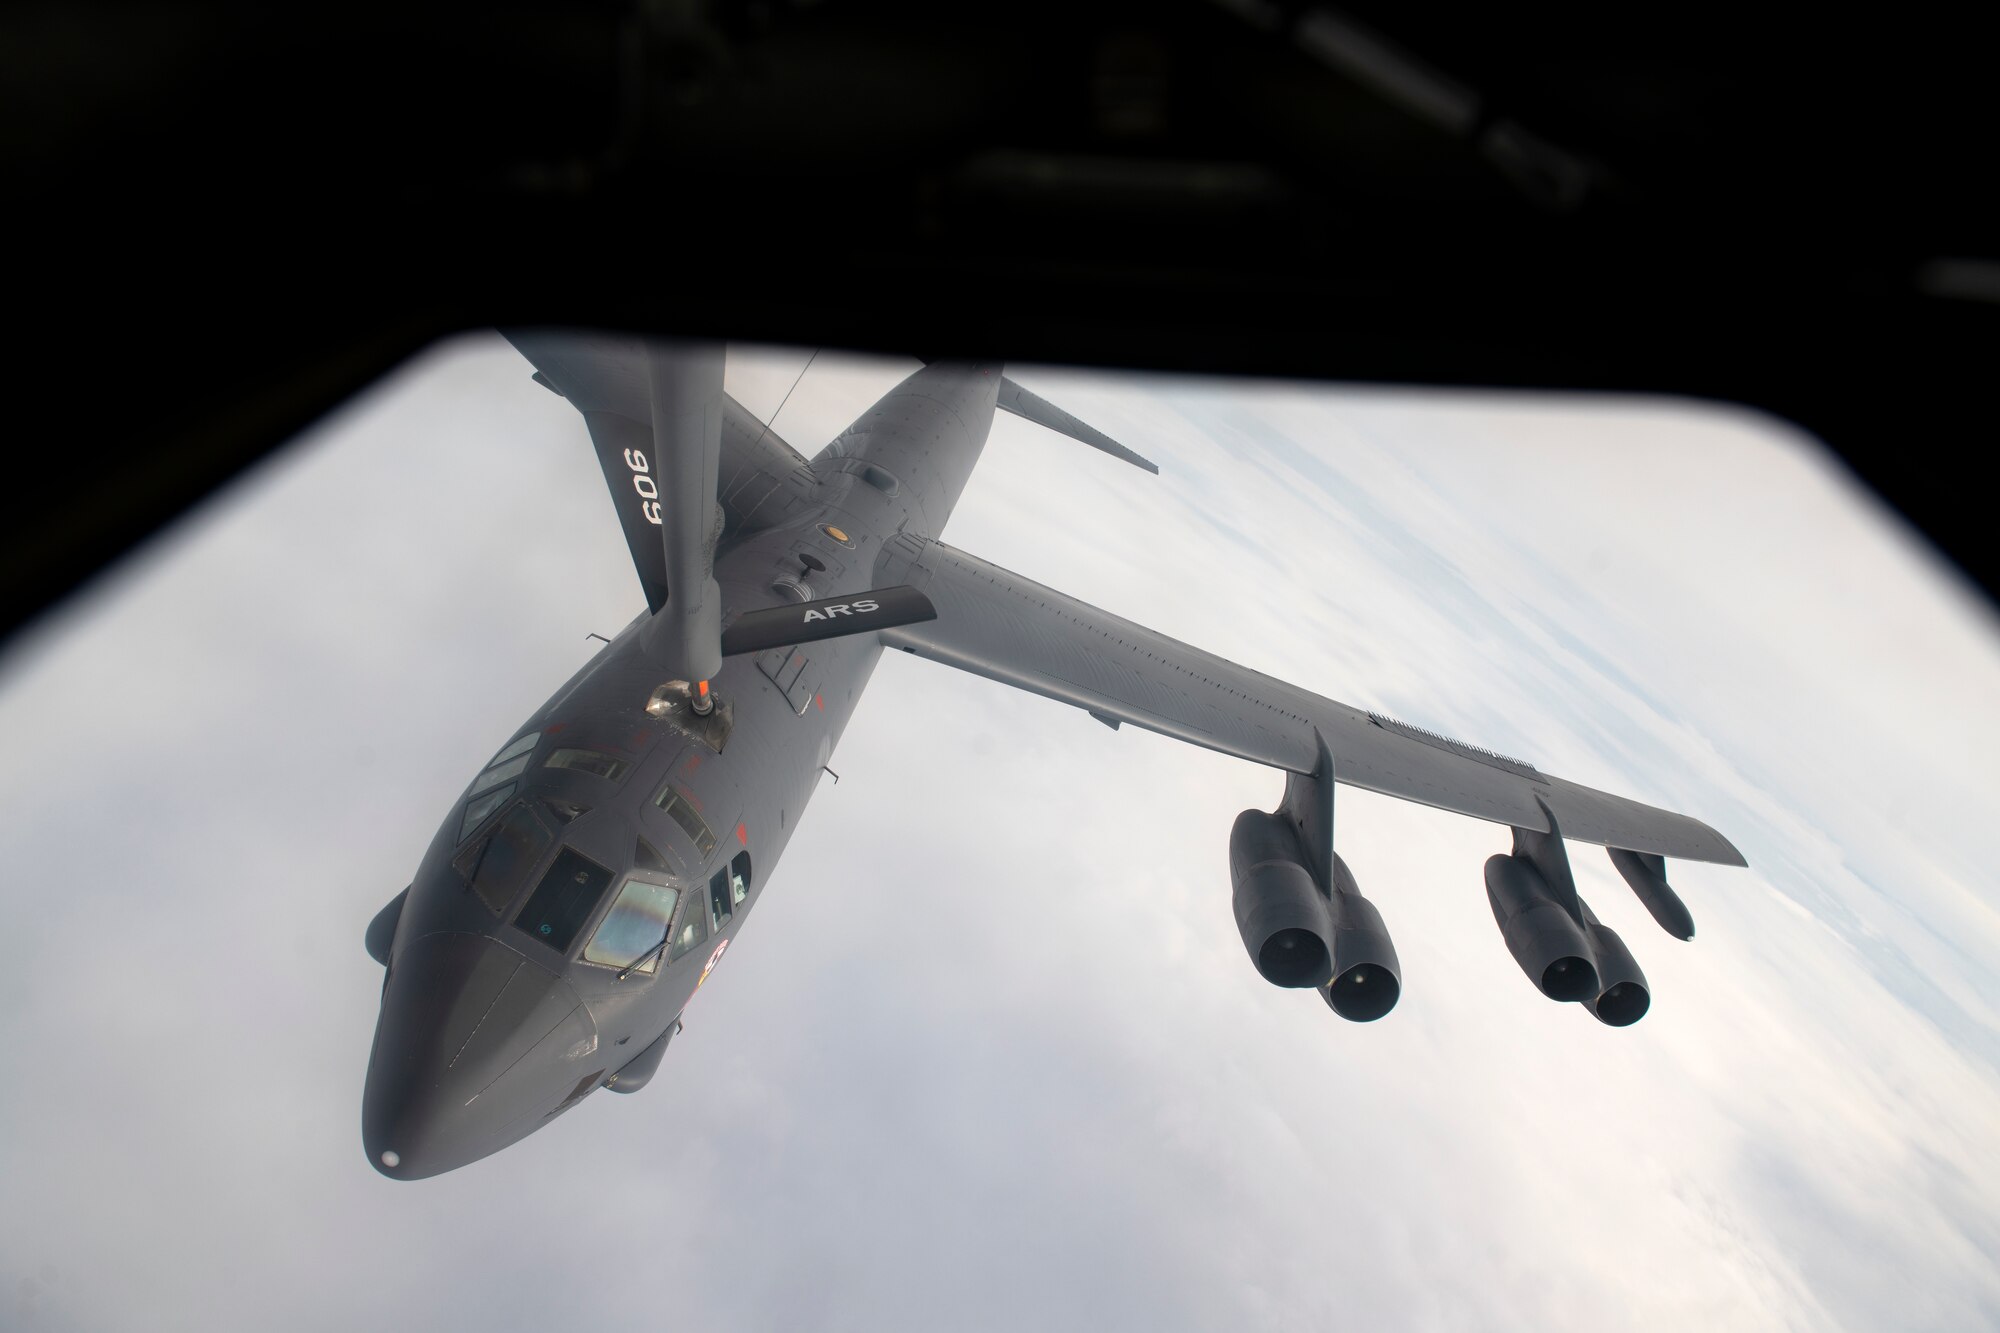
[[997, 624]]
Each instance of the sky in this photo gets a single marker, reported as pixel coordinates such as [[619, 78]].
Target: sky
[[990, 1055]]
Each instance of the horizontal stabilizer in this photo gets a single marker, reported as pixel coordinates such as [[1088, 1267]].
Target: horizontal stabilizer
[[829, 618], [1013, 398]]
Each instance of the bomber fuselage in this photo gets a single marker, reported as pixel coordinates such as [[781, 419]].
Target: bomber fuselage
[[591, 878]]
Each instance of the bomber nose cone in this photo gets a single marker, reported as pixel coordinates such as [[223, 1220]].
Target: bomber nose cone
[[476, 1046]]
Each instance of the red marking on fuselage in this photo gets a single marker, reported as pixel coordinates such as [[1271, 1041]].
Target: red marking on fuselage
[[743, 835], [819, 703]]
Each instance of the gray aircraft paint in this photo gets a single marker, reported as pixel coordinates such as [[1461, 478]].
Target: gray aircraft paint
[[927, 435], [489, 1031]]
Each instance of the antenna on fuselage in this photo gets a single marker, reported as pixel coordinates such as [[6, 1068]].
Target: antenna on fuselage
[[786, 399]]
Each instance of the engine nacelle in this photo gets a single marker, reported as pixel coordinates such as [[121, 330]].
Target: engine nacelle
[[1367, 979], [1623, 997], [1283, 917], [1299, 934], [1544, 939]]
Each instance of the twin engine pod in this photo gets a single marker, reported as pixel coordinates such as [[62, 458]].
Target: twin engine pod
[[1299, 934], [1566, 957]]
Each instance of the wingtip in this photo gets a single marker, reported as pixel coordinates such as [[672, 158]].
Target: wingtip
[[1116, 450], [1728, 855]]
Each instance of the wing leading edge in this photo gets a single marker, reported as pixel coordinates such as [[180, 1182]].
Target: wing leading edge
[[996, 624]]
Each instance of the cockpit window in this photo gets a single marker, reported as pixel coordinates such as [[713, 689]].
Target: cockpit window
[[727, 889], [515, 750], [686, 816], [495, 782], [481, 806], [507, 765], [634, 926], [720, 908], [693, 928], [564, 900], [497, 864], [605, 766]]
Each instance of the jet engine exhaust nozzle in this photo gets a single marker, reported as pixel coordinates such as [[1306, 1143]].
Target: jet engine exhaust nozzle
[[1280, 913], [1624, 998], [1294, 956], [1300, 933], [1363, 993], [1544, 939], [1367, 978]]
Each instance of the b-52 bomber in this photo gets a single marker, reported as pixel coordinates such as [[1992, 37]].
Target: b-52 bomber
[[593, 873]]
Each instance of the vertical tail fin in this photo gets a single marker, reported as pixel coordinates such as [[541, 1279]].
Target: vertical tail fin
[[1013, 398]]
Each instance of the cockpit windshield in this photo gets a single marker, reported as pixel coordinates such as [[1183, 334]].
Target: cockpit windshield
[[569, 892], [497, 864], [694, 928], [634, 926]]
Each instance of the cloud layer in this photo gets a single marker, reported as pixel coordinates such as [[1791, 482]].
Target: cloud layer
[[991, 1055]]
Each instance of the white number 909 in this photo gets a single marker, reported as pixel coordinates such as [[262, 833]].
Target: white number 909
[[642, 482]]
